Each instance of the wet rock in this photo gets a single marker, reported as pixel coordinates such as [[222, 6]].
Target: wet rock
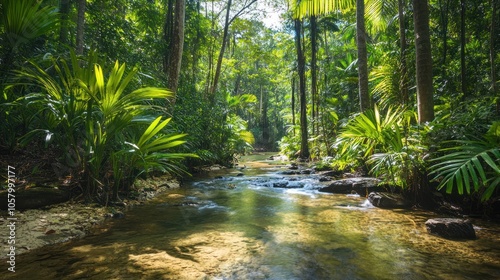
[[289, 185], [306, 171], [360, 185], [451, 228], [280, 184], [118, 215], [240, 175], [226, 178], [387, 200], [324, 179], [187, 203], [289, 172], [330, 173]]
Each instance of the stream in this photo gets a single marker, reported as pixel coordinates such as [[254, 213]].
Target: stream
[[232, 224]]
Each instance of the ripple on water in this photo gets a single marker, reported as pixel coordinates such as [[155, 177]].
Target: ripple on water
[[257, 232]]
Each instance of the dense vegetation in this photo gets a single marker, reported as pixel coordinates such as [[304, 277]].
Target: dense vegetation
[[106, 91]]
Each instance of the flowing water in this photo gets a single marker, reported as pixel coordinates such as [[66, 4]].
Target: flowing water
[[237, 227]]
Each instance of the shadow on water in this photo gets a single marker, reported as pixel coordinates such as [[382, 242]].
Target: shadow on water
[[235, 228]]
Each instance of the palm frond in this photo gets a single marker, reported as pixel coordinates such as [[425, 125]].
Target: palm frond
[[26, 20], [469, 165]]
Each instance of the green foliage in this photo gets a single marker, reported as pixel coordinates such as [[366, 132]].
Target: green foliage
[[26, 20], [90, 117], [148, 154], [383, 142], [239, 140], [290, 143], [473, 165]]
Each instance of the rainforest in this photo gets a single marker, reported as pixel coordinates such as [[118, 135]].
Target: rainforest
[[247, 105]]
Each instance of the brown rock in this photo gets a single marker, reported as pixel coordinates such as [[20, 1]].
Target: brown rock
[[451, 228]]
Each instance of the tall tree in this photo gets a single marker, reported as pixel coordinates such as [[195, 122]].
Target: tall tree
[[403, 87], [364, 95], [64, 8], [493, 38], [314, 77], [443, 23], [317, 7], [293, 103], [425, 100], [222, 49], [463, 74], [80, 26], [227, 22], [301, 69], [174, 34]]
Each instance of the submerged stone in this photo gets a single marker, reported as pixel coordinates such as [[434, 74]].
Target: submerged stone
[[451, 228], [387, 200], [361, 185]]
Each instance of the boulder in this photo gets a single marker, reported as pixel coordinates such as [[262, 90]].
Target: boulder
[[288, 184], [324, 179], [360, 185], [451, 228], [387, 200], [330, 173]]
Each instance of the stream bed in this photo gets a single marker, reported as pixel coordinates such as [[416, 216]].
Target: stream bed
[[231, 224]]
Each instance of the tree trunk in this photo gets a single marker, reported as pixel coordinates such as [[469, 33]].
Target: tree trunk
[[403, 84], [293, 104], [80, 26], [314, 79], [64, 8], [444, 34], [463, 74], [425, 101], [304, 148], [493, 34], [222, 49], [176, 45], [264, 121], [196, 47], [211, 48], [364, 95]]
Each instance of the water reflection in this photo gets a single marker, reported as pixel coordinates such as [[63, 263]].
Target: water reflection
[[213, 230]]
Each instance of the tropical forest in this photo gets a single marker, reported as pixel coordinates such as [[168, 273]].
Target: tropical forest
[[250, 139]]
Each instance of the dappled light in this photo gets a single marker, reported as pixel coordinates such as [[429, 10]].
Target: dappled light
[[250, 139]]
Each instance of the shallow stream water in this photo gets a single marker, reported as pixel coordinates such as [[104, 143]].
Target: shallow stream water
[[238, 227]]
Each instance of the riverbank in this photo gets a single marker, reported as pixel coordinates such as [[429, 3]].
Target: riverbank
[[59, 223]]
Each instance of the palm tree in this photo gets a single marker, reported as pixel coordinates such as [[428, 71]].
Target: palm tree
[[377, 13], [301, 65], [425, 101], [23, 22], [364, 95], [318, 7]]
